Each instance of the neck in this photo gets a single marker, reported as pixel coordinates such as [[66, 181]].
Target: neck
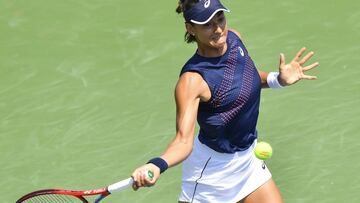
[[207, 51]]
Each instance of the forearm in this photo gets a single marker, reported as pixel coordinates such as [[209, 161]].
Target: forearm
[[263, 77], [189, 89], [178, 150]]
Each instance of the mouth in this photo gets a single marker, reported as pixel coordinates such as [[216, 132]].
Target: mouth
[[218, 38]]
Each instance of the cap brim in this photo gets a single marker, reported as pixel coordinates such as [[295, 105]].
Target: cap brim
[[211, 16]]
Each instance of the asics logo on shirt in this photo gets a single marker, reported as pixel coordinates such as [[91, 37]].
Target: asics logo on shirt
[[207, 3], [241, 51]]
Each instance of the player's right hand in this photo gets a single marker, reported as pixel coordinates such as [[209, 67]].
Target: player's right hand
[[141, 178]]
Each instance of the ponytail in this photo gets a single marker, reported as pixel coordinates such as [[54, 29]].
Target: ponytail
[[179, 9], [184, 5]]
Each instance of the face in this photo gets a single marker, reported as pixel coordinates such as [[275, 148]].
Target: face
[[212, 34]]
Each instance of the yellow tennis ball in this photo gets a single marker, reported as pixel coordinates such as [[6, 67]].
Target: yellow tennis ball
[[263, 150]]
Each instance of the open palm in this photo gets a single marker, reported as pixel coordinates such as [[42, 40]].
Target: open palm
[[294, 71]]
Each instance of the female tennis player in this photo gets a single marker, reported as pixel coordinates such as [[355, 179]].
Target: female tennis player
[[219, 86]]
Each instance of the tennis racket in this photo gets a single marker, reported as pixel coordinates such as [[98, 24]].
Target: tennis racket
[[72, 196]]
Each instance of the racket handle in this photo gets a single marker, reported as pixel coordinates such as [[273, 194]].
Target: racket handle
[[126, 183]]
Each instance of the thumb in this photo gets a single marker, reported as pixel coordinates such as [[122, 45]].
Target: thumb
[[282, 59]]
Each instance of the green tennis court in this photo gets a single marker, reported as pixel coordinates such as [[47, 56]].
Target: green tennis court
[[86, 94]]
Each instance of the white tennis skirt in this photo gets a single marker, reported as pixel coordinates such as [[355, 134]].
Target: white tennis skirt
[[213, 177]]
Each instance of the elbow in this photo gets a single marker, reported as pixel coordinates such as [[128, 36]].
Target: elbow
[[186, 140]]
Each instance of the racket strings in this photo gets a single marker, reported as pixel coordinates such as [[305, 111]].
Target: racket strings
[[53, 198]]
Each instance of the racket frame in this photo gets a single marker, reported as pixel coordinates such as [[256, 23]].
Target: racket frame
[[103, 192], [78, 194]]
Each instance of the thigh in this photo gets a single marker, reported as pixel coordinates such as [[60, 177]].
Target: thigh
[[267, 193]]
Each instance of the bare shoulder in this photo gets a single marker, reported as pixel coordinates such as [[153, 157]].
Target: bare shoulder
[[189, 82], [236, 32], [192, 85]]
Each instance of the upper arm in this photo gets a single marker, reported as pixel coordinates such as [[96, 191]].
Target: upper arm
[[188, 93]]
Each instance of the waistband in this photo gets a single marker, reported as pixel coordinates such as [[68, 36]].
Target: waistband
[[225, 156]]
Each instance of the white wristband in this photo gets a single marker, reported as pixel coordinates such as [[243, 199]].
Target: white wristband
[[272, 80]]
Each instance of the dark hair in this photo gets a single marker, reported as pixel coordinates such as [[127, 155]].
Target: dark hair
[[182, 7]]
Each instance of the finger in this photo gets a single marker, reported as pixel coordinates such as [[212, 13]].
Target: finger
[[150, 182], [141, 179], [299, 54], [309, 77], [282, 59], [144, 178], [135, 187], [137, 179], [309, 67], [135, 176], [306, 58]]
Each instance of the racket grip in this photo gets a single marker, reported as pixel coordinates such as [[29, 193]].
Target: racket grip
[[120, 185], [127, 183]]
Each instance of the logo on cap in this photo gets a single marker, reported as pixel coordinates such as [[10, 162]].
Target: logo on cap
[[207, 3]]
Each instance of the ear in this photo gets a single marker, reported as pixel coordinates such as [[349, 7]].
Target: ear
[[190, 29]]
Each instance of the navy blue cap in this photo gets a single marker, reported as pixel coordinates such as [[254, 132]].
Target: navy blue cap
[[203, 11]]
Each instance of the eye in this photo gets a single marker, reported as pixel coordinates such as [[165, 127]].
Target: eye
[[221, 19], [207, 25]]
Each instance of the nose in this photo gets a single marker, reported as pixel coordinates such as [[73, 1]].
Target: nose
[[217, 28]]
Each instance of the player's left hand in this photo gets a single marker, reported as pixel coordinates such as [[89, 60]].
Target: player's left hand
[[295, 70]]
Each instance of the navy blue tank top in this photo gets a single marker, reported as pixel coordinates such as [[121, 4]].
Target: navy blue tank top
[[228, 120]]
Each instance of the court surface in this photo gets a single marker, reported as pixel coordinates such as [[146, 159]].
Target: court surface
[[86, 94]]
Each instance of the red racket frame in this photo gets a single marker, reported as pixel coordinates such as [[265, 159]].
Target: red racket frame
[[78, 194]]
